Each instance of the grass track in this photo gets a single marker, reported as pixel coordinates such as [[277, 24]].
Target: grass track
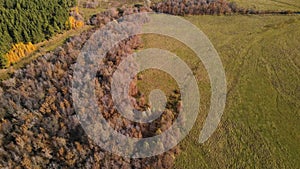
[[42, 49]]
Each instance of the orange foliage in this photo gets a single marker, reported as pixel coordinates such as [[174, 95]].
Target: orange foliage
[[19, 51], [74, 21], [74, 24]]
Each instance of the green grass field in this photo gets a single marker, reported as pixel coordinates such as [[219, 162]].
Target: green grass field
[[260, 126], [261, 56], [293, 5]]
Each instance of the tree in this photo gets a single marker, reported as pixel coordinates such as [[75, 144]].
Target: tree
[[31, 21]]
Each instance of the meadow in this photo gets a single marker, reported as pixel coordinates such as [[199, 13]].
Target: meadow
[[260, 125], [260, 54], [292, 5]]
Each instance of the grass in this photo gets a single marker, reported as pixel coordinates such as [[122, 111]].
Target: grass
[[260, 126], [88, 12], [58, 39], [277, 5], [42, 49], [54, 42]]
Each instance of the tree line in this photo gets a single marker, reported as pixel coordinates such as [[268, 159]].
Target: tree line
[[37, 119], [24, 21]]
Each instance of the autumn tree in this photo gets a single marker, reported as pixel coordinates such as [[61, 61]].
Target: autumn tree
[[24, 21]]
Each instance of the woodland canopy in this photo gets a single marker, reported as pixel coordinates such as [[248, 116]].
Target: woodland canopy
[[31, 21]]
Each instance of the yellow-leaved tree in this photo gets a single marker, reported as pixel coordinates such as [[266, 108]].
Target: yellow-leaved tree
[[18, 51], [74, 24], [75, 20]]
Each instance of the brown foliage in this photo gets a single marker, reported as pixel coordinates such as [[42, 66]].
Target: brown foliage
[[38, 127], [75, 19], [193, 7]]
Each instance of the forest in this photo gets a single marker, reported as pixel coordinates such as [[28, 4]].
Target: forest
[[38, 123], [19, 22]]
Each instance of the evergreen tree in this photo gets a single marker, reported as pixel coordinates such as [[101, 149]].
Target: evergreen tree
[[31, 21]]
